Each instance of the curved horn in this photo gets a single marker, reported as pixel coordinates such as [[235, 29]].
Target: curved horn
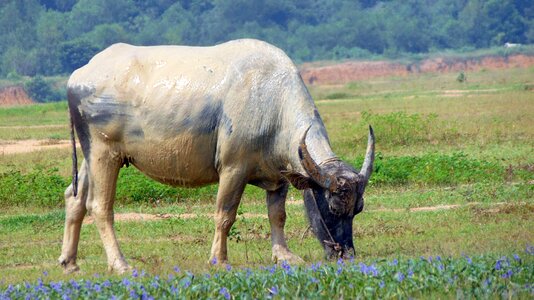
[[319, 176], [367, 166]]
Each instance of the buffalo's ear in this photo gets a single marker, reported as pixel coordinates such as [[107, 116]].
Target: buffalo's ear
[[299, 181]]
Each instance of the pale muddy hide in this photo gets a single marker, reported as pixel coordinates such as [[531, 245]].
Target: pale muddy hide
[[234, 114]]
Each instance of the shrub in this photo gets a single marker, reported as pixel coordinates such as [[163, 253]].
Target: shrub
[[433, 168], [41, 90]]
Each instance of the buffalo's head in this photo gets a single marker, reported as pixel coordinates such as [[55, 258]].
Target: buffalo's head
[[333, 195]]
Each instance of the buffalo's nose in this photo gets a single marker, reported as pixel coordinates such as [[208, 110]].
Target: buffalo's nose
[[336, 210]]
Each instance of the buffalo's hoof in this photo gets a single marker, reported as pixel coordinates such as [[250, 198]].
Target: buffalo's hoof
[[69, 267], [120, 267], [280, 255]]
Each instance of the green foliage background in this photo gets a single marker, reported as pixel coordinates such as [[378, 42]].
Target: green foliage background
[[51, 37]]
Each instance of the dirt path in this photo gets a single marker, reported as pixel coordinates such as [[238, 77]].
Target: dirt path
[[139, 217], [25, 146]]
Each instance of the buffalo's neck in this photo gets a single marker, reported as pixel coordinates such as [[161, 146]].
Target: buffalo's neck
[[317, 141], [298, 113]]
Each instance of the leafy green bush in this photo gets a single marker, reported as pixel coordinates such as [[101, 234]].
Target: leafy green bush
[[337, 95], [41, 90], [44, 187], [433, 168], [40, 187]]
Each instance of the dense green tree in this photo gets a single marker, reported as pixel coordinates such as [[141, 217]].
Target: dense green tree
[[57, 36], [76, 53]]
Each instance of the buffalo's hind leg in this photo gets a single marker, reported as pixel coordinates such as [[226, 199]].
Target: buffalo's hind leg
[[104, 167], [276, 205], [74, 213]]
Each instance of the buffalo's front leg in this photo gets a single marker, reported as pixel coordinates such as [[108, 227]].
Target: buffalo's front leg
[[74, 213], [276, 205], [231, 186]]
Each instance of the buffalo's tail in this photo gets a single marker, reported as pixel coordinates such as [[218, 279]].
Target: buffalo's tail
[[74, 158]]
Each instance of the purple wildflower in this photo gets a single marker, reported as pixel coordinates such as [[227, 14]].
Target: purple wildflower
[[213, 261], [176, 269], [314, 280], [135, 273], [517, 258], [394, 262], [74, 284], [286, 266], [273, 290], [469, 260], [400, 276], [438, 258], [382, 284], [45, 273], [228, 268], [373, 270], [315, 267], [410, 272], [441, 267], [96, 275], [106, 283], [339, 270], [126, 282], [174, 290], [508, 274], [65, 297], [340, 262], [133, 294], [530, 249], [187, 284], [224, 292], [498, 265], [97, 288]]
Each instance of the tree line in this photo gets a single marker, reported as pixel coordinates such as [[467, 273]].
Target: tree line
[[50, 37]]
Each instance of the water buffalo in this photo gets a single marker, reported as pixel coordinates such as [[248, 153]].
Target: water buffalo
[[237, 113]]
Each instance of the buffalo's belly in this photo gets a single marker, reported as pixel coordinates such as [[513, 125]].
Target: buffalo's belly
[[180, 161]]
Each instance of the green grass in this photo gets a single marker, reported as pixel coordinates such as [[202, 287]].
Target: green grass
[[36, 114], [473, 149]]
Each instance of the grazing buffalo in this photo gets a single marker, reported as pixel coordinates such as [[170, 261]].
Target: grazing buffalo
[[237, 113]]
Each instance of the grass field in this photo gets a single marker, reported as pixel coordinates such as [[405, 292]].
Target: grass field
[[463, 153]]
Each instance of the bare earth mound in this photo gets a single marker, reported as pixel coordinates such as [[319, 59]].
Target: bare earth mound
[[363, 70], [14, 95]]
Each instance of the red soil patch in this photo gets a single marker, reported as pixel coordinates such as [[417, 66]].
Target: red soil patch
[[362, 70], [14, 95]]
